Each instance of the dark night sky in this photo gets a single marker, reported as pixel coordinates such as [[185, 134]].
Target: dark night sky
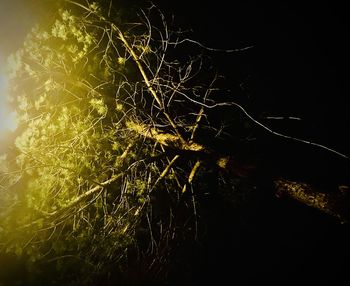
[[299, 63], [298, 67]]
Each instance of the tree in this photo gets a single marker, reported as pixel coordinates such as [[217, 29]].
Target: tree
[[97, 138], [112, 149]]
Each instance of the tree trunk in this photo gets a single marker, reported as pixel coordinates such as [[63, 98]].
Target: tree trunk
[[334, 202]]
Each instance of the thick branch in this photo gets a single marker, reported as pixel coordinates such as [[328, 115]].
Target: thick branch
[[222, 161], [165, 139], [335, 203], [86, 195]]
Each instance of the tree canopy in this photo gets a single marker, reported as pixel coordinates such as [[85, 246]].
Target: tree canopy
[[118, 136], [108, 118]]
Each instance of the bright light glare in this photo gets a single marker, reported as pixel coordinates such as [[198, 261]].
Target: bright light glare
[[8, 118], [8, 121]]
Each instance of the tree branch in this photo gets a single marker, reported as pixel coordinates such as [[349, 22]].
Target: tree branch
[[335, 203], [192, 175], [148, 82], [165, 139]]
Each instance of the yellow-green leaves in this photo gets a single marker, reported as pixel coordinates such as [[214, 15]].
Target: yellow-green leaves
[[94, 7], [121, 61], [99, 106], [59, 30], [75, 87], [67, 16]]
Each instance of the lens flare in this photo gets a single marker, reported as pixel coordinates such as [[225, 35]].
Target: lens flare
[[8, 118], [8, 121]]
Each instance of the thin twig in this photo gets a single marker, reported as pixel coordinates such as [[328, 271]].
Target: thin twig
[[192, 175]]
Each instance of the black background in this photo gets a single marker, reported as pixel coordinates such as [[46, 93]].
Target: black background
[[299, 63], [298, 67]]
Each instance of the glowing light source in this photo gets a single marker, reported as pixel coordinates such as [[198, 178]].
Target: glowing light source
[[8, 121], [8, 118]]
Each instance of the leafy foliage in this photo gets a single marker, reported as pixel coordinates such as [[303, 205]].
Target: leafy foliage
[[69, 143], [106, 155], [81, 181]]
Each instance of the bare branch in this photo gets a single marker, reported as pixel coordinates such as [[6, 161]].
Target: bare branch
[[147, 81], [192, 175], [166, 170]]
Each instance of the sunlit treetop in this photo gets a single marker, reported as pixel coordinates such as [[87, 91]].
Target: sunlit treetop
[[69, 86], [107, 115]]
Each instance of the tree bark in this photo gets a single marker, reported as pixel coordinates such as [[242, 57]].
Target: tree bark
[[333, 202]]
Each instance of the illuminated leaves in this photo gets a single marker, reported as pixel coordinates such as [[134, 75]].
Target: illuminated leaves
[[59, 30], [121, 61], [87, 174], [99, 106]]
